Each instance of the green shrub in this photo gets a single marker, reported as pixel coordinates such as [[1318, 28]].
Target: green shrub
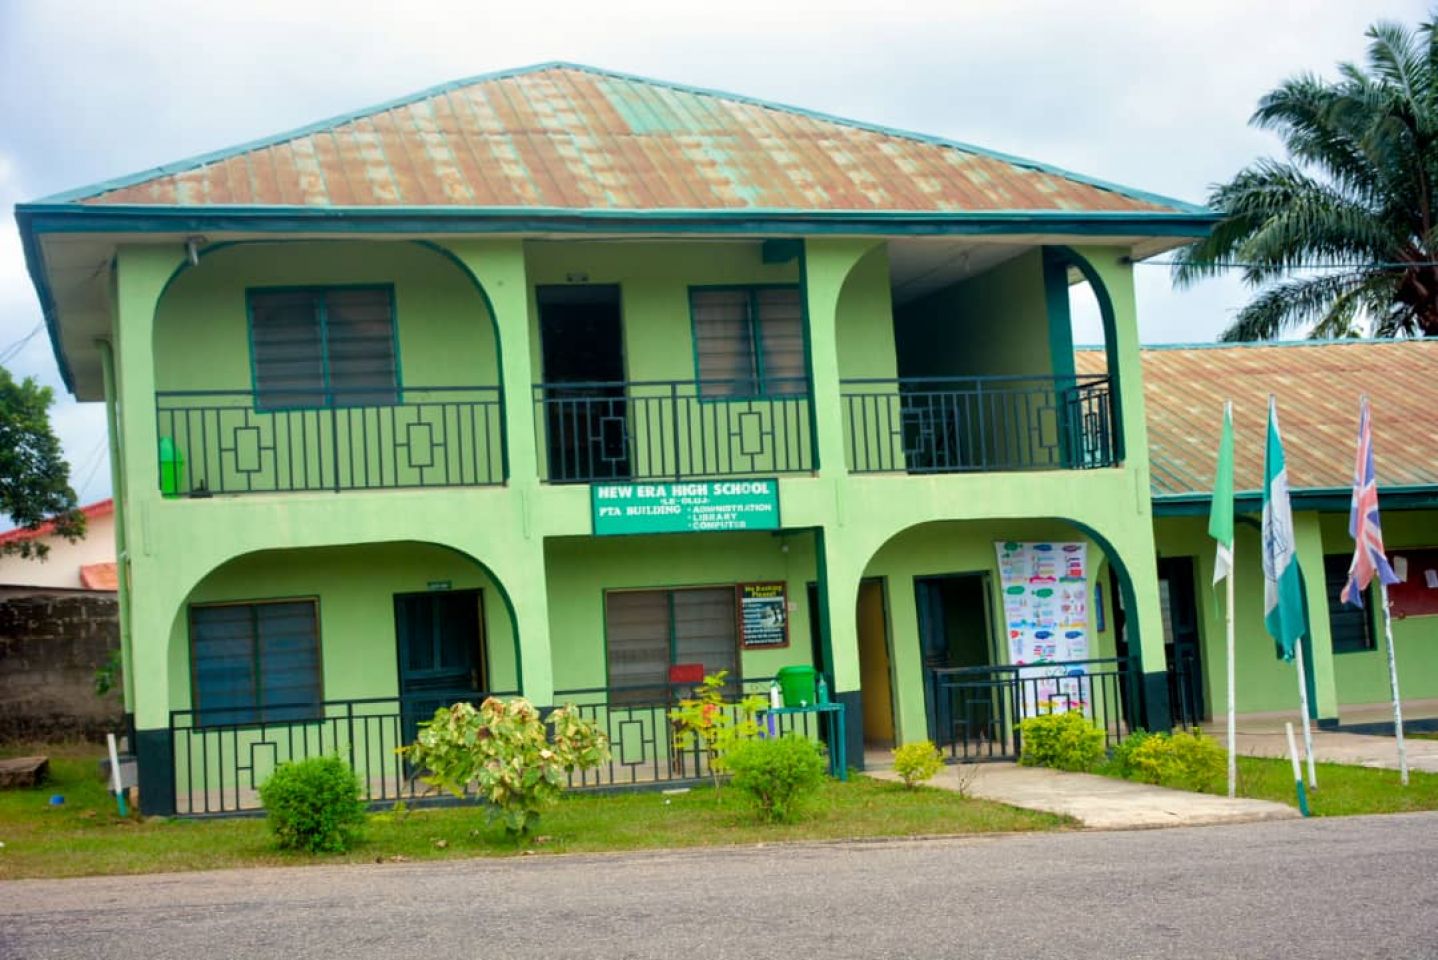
[[708, 721], [917, 762], [504, 751], [1121, 763], [1185, 761], [1064, 741], [313, 805], [779, 775]]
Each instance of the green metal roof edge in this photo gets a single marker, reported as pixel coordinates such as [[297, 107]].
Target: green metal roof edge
[[151, 217], [1410, 496], [1250, 344], [35, 267], [179, 166]]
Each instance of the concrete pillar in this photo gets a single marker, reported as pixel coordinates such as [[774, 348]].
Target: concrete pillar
[[1324, 682]]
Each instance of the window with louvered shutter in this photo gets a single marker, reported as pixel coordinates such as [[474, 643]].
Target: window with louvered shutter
[[323, 347], [650, 630], [255, 662], [749, 342], [1351, 627]]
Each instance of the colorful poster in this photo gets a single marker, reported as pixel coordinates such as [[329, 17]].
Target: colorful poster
[[1045, 591], [763, 615]]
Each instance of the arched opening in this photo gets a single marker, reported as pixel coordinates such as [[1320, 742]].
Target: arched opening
[[287, 653], [326, 365], [986, 622]]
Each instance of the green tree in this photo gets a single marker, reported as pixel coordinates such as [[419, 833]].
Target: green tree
[[34, 477], [1353, 203]]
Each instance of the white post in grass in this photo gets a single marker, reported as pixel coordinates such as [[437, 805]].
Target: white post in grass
[[1297, 770], [1303, 706], [116, 782], [1393, 683], [1232, 698]]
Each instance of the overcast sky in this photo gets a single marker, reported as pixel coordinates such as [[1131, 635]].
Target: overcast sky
[[1151, 94]]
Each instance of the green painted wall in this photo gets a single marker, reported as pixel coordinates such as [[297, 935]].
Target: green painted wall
[[580, 570], [995, 323], [201, 336], [1363, 677], [945, 547], [355, 587], [1264, 683]]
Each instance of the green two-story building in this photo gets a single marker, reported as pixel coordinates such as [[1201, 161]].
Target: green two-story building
[[563, 382]]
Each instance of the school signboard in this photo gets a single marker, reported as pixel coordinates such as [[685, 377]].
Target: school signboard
[[688, 506]]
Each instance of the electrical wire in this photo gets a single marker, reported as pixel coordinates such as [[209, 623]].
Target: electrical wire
[[1236, 265], [13, 350]]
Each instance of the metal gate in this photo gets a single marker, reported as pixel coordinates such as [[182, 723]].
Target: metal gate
[[974, 712]]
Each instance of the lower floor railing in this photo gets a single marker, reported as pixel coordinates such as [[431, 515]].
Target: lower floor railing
[[975, 712], [222, 756]]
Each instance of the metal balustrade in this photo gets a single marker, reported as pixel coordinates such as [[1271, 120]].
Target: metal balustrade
[[963, 424], [974, 712], [672, 429], [240, 441]]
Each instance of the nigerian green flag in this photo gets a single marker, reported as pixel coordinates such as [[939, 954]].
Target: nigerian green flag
[[1282, 590], [1220, 517]]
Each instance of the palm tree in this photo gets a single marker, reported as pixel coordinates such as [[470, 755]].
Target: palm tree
[[1341, 236]]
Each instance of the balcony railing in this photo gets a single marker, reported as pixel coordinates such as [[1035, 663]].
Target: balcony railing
[[238, 441], [672, 430], [960, 424]]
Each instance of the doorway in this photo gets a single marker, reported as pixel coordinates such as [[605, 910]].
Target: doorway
[[956, 634], [876, 687], [581, 340], [1181, 645], [875, 668], [440, 641]]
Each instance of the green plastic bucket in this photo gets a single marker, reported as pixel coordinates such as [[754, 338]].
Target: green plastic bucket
[[797, 685]]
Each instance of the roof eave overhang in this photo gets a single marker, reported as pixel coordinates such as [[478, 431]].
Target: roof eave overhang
[[1163, 229], [1322, 499]]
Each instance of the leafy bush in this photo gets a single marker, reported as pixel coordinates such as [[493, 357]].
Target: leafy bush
[[1121, 763], [1185, 761], [314, 805], [502, 749], [709, 721], [779, 774], [1064, 741], [917, 762]]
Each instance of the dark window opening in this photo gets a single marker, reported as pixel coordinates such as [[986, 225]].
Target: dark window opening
[[1352, 627], [255, 662], [749, 342], [323, 347], [649, 631]]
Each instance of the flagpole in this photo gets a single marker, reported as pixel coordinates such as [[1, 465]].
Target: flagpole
[[1393, 683], [1232, 707], [1303, 706]]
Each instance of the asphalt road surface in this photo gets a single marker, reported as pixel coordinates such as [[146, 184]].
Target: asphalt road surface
[[1340, 888]]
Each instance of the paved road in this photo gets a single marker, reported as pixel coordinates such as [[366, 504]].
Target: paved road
[[1359, 887]]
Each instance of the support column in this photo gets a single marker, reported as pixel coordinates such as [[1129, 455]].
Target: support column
[[1323, 682], [141, 274], [498, 270]]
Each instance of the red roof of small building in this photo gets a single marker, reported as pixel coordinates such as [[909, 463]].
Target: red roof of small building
[[100, 508], [99, 576]]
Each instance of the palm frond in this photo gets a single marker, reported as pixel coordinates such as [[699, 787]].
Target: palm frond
[[1293, 303]]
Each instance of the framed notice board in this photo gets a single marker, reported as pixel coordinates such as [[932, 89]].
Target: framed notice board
[[1417, 594], [763, 616]]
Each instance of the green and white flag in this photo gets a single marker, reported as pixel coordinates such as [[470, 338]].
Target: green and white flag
[[1282, 589], [1220, 517]]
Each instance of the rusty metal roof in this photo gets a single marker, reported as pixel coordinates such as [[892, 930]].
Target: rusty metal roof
[[1317, 384], [566, 136]]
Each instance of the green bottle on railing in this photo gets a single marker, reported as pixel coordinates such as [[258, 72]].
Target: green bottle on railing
[[823, 691]]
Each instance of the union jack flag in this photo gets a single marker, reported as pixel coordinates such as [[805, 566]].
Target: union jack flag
[[1368, 558]]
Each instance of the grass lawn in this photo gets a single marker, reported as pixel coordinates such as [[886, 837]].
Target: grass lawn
[[1342, 790], [86, 836]]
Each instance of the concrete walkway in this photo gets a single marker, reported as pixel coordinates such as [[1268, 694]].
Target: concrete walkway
[[1099, 803], [1335, 746]]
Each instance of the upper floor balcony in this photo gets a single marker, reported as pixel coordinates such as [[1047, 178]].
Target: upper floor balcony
[[669, 362]]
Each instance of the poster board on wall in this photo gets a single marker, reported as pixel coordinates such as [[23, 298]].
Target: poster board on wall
[[1046, 612], [763, 616], [1416, 595]]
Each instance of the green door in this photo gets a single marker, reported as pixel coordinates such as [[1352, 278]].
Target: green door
[[440, 636]]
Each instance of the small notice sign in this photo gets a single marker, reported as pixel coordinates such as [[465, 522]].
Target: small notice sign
[[763, 615], [689, 506]]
